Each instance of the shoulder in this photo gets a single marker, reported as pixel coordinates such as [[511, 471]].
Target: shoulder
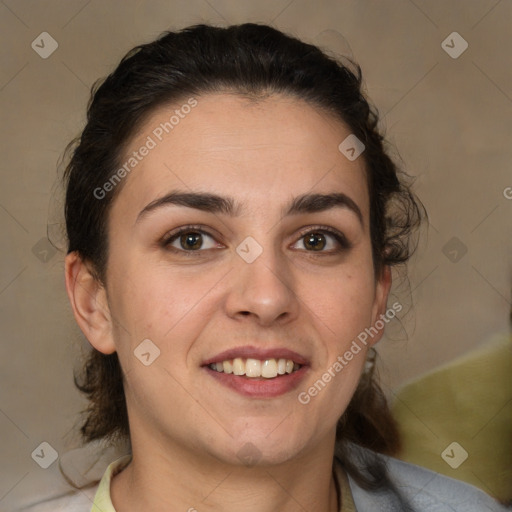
[[73, 485], [427, 490], [417, 489], [75, 501]]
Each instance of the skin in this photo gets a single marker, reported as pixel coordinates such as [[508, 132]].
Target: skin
[[186, 429]]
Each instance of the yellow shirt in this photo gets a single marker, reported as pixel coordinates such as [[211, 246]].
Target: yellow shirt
[[103, 503]]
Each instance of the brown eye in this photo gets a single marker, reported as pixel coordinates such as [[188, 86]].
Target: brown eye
[[191, 240], [187, 240], [322, 240], [315, 241]]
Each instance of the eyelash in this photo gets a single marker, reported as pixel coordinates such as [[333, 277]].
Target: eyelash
[[344, 244], [170, 237], [340, 238]]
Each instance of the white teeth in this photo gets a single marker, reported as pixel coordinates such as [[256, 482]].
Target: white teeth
[[227, 366], [269, 369], [254, 368], [238, 366]]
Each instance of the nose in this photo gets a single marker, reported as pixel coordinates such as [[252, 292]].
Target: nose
[[263, 290]]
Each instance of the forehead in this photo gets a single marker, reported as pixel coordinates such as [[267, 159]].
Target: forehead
[[260, 152]]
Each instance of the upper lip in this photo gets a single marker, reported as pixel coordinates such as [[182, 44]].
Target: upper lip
[[262, 354]]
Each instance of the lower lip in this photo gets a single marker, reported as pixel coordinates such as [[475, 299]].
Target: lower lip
[[260, 387]]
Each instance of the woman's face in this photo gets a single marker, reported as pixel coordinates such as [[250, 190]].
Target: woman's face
[[259, 270]]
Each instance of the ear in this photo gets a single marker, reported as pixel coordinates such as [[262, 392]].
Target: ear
[[382, 288], [89, 302]]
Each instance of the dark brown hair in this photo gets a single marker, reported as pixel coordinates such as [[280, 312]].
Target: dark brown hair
[[251, 60]]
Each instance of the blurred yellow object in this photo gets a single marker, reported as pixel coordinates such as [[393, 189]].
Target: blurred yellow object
[[457, 419]]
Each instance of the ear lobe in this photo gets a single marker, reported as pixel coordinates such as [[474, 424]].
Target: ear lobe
[[89, 303], [381, 299]]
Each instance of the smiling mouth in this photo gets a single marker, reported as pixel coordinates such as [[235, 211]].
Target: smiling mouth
[[256, 368]]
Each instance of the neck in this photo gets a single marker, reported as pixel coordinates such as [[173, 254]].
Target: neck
[[167, 479]]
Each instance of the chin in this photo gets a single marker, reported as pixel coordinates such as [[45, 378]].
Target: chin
[[261, 449]]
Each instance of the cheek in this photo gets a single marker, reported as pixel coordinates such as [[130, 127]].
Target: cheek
[[343, 302], [157, 303]]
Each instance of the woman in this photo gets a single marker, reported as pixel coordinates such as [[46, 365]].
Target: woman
[[233, 218]]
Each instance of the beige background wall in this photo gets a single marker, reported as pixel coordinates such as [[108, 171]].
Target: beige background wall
[[450, 119]]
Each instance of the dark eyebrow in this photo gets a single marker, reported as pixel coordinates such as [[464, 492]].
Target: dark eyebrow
[[311, 203], [206, 202], [213, 203]]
